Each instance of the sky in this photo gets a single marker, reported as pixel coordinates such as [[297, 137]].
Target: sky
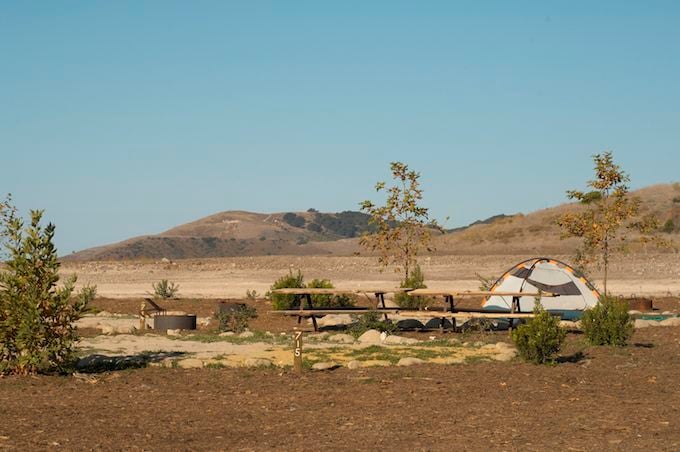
[[127, 118]]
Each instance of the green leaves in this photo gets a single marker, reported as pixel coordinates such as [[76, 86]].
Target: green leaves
[[37, 331], [540, 338], [402, 226]]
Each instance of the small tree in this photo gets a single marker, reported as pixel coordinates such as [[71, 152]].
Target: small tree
[[609, 209], [540, 338], [403, 227], [165, 289], [37, 331]]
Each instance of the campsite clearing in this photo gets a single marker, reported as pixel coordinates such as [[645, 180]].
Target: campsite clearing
[[597, 399]]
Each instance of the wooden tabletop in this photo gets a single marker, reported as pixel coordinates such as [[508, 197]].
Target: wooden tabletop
[[469, 293], [312, 291]]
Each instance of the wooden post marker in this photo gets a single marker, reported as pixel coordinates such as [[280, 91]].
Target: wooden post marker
[[297, 353]]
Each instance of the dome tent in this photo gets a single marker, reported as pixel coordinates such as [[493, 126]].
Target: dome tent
[[575, 292]]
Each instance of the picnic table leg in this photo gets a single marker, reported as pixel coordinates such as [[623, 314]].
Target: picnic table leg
[[309, 304], [382, 303], [513, 309], [449, 300], [298, 300]]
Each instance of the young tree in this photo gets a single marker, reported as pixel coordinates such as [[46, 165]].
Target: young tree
[[609, 215], [37, 331], [402, 226]]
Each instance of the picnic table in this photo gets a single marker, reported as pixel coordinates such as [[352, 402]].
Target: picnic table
[[449, 311]]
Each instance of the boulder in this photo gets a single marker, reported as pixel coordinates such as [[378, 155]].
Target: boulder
[[257, 362], [325, 366], [505, 355], [246, 334], [341, 338], [399, 340], [173, 332], [227, 334], [409, 361], [640, 323], [673, 321], [354, 364], [370, 337]]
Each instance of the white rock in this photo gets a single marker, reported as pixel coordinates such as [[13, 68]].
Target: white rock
[[667, 313], [125, 329], [324, 366], [227, 333], [104, 314], [505, 355], [246, 334], [341, 338], [673, 321], [257, 362], [409, 361], [107, 329], [639, 323], [190, 363], [173, 332], [399, 340], [634, 312], [370, 337], [354, 364]]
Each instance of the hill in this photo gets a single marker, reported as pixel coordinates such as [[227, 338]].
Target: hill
[[229, 234], [239, 233]]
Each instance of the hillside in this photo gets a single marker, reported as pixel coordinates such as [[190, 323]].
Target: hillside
[[236, 233], [537, 234], [229, 234]]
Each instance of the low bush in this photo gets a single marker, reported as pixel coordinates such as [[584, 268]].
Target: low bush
[[165, 289], [236, 320], [329, 301], [608, 322], [540, 338], [252, 295], [416, 280], [371, 321], [289, 281], [88, 293]]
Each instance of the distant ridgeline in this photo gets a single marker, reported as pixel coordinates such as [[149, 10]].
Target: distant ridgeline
[[345, 224]]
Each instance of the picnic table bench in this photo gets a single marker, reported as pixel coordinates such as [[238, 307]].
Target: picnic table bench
[[449, 311]]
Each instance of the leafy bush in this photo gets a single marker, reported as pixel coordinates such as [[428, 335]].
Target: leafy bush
[[252, 295], [294, 220], [37, 318], [88, 293], [540, 338], [416, 280], [608, 322], [165, 289], [289, 281], [371, 321], [235, 320], [668, 226], [328, 301]]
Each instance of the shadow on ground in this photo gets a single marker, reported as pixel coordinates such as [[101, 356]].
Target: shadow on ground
[[101, 363]]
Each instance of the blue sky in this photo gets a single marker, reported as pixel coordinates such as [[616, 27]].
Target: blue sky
[[127, 118]]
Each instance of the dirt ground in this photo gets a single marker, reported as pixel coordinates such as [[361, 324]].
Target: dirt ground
[[640, 274], [596, 398]]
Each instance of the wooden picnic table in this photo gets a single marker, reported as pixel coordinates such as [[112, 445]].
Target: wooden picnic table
[[448, 312]]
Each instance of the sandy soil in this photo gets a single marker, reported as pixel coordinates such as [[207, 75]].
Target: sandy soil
[[231, 277], [596, 399]]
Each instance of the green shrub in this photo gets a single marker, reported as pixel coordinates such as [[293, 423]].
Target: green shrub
[[608, 322], [88, 293], [165, 289], [37, 318], [371, 321], [540, 338], [289, 281], [235, 320], [416, 280], [328, 301], [668, 227]]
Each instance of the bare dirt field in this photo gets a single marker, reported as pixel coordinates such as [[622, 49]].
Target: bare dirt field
[[463, 395], [640, 274], [596, 399]]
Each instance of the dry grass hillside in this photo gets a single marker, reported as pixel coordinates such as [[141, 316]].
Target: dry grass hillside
[[537, 233], [231, 234]]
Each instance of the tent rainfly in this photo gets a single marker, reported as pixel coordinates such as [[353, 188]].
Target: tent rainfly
[[576, 293]]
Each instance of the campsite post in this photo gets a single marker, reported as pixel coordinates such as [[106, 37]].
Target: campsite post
[[297, 353]]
